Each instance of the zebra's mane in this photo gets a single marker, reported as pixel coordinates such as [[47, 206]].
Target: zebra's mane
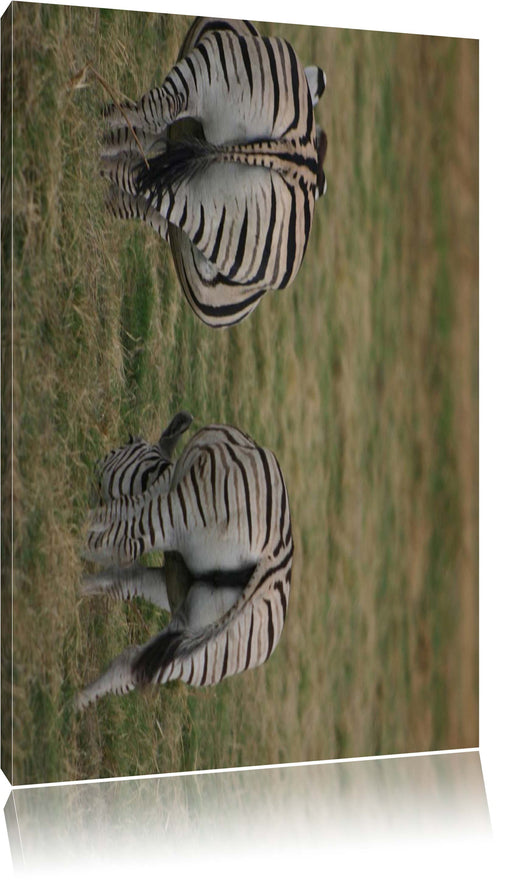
[[321, 146]]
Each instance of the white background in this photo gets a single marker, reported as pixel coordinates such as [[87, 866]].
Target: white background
[[489, 23]]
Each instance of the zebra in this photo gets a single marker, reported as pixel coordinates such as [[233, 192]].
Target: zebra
[[223, 508], [233, 169]]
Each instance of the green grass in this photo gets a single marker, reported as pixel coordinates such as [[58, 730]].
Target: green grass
[[360, 376]]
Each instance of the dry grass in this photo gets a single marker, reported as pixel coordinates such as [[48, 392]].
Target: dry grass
[[362, 377]]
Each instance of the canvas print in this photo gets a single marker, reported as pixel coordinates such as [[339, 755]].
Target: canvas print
[[239, 393]]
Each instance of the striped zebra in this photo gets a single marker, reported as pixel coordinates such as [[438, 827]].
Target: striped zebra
[[223, 507], [232, 184]]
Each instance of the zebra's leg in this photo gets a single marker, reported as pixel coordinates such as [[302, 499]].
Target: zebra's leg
[[117, 679], [121, 531], [203, 606], [125, 583], [124, 141], [122, 171], [125, 205]]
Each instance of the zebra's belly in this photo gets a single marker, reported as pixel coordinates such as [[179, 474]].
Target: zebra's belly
[[207, 552]]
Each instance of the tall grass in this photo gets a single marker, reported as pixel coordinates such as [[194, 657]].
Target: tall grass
[[362, 377]]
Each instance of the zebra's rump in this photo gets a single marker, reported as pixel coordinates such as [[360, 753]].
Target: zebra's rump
[[236, 201]]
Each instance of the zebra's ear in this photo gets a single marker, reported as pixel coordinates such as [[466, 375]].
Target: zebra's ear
[[169, 438], [321, 186], [316, 81]]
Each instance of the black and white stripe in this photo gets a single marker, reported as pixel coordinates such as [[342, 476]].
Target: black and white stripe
[[234, 194], [131, 469], [224, 509]]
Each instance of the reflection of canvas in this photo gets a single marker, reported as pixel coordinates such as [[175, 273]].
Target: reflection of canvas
[[184, 820], [361, 376]]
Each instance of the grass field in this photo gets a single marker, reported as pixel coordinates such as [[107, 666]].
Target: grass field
[[362, 377]]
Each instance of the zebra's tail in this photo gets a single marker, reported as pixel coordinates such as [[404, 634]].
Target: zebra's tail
[[152, 176], [178, 161]]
